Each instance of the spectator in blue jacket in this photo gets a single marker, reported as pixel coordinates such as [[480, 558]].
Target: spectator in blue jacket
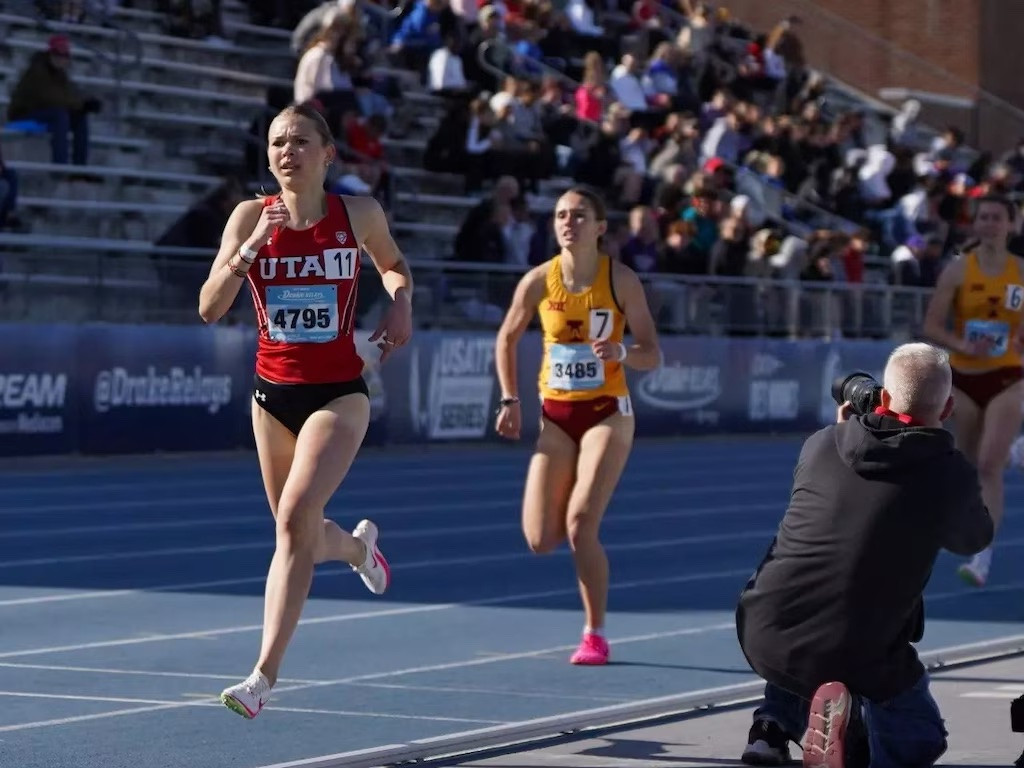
[[422, 31]]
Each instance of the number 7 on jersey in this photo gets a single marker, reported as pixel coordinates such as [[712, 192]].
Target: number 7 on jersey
[[600, 324]]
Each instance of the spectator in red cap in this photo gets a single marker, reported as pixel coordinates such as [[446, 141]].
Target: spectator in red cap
[[46, 94]]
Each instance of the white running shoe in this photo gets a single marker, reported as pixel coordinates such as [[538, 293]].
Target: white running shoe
[[1016, 455], [248, 697], [975, 572], [375, 572]]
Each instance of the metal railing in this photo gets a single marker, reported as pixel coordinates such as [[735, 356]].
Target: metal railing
[[161, 284], [495, 55]]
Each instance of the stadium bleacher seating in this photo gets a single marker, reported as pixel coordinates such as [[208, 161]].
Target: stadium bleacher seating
[[178, 112]]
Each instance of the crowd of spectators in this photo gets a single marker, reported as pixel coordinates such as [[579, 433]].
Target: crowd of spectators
[[721, 150], [716, 141]]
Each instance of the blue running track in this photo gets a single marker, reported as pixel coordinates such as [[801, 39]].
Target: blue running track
[[131, 594]]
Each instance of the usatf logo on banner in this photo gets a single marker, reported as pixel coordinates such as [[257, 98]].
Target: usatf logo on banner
[[459, 391]]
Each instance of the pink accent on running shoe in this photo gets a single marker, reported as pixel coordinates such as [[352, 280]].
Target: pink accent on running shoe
[[383, 563], [593, 650], [825, 742]]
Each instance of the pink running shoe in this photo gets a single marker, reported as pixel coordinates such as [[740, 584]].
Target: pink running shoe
[[593, 651], [825, 742]]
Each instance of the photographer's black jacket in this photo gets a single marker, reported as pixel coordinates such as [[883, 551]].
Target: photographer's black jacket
[[839, 593]]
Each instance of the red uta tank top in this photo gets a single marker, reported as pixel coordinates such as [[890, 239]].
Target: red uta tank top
[[304, 285]]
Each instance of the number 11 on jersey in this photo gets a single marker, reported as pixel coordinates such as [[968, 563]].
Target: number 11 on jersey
[[340, 263]]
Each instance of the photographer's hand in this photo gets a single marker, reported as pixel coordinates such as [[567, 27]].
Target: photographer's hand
[[1017, 341], [844, 412]]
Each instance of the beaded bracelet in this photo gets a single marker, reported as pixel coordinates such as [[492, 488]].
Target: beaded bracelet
[[237, 272]]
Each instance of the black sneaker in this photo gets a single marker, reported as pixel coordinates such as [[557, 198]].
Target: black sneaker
[[767, 744]]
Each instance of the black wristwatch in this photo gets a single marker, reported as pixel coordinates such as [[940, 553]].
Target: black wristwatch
[[507, 401]]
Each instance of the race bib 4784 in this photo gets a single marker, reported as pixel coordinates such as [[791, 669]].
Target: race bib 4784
[[305, 314], [992, 331]]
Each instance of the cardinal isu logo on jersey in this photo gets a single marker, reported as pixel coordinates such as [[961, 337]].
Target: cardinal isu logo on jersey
[[575, 328]]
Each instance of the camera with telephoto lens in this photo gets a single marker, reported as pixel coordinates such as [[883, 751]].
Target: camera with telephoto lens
[[859, 389]]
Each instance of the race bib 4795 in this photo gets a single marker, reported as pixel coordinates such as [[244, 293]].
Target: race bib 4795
[[304, 314]]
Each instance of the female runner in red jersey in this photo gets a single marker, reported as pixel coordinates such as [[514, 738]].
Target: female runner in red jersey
[[299, 252]]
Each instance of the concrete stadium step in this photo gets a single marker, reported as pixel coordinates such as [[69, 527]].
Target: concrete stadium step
[[103, 149], [192, 138], [414, 175], [127, 301], [404, 151], [136, 94], [161, 71], [424, 240], [236, 25], [100, 218], [108, 182], [269, 60], [431, 206], [75, 254]]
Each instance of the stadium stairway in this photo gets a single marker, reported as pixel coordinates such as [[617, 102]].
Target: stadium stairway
[[182, 119]]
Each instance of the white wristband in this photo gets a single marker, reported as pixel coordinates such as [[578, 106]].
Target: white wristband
[[247, 254], [622, 353]]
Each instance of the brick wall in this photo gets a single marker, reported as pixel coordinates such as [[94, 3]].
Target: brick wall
[[930, 45], [948, 47]]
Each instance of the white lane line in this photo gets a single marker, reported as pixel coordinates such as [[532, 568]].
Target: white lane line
[[267, 543], [95, 716], [416, 609], [249, 476], [329, 571], [475, 662], [453, 489], [490, 692], [364, 713], [291, 680], [398, 533], [73, 697], [131, 672]]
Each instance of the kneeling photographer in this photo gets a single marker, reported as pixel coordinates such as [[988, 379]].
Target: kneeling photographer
[[830, 616]]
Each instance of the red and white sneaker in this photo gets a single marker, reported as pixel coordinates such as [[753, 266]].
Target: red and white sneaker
[[593, 651], [825, 741], [375, 572]]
